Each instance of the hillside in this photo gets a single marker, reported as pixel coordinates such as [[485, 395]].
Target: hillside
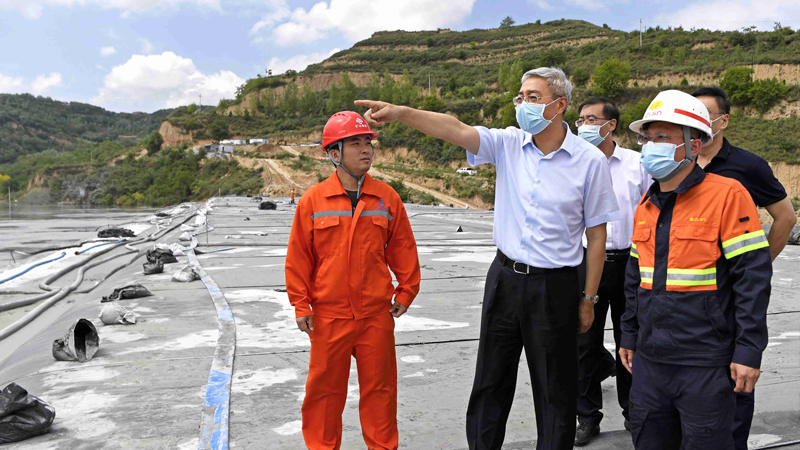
[[30, 124]]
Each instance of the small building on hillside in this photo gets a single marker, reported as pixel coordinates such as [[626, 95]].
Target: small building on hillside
[[226, 141], [217, 151], [239, 141], [259, 141]]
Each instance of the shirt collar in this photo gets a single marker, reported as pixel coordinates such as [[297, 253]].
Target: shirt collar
[[333, 186], [567, 145], [615, 154], [724, 151], [695, 177]]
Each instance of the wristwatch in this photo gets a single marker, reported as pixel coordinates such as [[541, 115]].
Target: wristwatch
[[591, 298]]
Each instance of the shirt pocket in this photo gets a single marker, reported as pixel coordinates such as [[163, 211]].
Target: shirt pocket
[[380, 229], [328, 235], [695, 247]]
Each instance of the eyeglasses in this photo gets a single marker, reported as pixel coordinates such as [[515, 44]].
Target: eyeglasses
[[589, 120], [518, 100], [658, 139]]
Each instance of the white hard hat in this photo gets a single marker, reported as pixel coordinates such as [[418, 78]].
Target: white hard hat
[[676, 107]]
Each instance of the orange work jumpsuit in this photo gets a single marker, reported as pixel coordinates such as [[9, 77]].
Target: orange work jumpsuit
[[336, 270]]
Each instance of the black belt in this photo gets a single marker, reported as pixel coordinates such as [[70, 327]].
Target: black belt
[[617, 255], [522, 268]]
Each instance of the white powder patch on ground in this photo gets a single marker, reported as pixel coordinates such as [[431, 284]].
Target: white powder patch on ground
[[760, 440], [206, 338], [117, 334], [414, 375], [475, 307], [352, 393], [156, 320], [412, 359], [81, 415], [415, 306], [271, 265], [249, 381], [185, 406], [191, 444], [469, 257], [282, 333], [414, 323], [218, 268], [254, 233], [788, 335], [275, 252], [610, 346], [136, 227], [425, 250], [785, 279], [60, 380], [227, 252], [431, 370], [141, 309], [290, 428]]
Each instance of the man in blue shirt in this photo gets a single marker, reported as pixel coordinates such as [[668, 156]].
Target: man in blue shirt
[[551, 186], [720, 157]]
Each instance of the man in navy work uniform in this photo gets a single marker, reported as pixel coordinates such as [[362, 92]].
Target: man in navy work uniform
[[720, 157], [597, 121], [551, 186]]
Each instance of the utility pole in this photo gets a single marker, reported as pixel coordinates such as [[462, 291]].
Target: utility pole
[[200, 103], [9, 201], [640, 33]]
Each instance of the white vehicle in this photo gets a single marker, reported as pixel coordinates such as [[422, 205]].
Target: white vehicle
[[467, 171]]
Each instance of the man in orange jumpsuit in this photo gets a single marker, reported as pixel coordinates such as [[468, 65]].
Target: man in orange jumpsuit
[[347, 232], [292, 196]]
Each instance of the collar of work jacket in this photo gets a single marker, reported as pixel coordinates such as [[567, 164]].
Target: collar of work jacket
[[696, 176]]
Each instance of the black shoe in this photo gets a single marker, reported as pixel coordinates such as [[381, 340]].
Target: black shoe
[[627, 425], [585, 433]]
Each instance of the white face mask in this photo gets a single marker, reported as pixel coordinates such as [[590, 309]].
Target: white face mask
[[591, 133], [714, 135]]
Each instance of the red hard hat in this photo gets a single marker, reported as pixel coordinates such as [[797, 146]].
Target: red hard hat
[[343, 125]]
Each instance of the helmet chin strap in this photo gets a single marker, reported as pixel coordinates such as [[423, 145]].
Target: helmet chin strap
[[688, 158], [359, 180]]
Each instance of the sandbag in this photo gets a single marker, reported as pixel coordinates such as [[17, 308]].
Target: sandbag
[[115, 232], [185, 237], [153, 268], [126, 292], [163, 255], [187, 274], [268, 205], [114, 314], [794, 237], [79, 344], [22, 415]]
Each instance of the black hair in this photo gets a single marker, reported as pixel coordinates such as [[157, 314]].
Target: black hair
[[610, 110], [723, 103]]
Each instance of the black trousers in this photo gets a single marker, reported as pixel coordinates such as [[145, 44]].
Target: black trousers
[[538, 313], [593, 358], [745, 406]]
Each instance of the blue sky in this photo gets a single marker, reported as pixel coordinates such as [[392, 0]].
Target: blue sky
[[143, 55]]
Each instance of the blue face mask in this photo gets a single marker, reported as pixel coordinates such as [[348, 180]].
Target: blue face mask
[[591, 133], [658, 159], [530, 117]]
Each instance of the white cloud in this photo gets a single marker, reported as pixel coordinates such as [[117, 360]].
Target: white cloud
[[11, 85], [733, 14], [358, 19], [147, 46], [298, 62], [148, 83], [279, 11], [107, 51], [43, 83], [32, 9]]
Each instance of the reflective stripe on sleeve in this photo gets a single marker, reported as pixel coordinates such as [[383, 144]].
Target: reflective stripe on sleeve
[[634, 252], [744, 243]]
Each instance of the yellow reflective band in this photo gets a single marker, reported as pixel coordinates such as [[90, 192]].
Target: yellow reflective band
[[634, 255], [647, 280], [691, 282], [730, 242], [693, 271], [746, 249], [633, 245], [645, 269]]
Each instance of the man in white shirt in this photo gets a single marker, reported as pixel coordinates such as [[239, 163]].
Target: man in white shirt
[[551, 186], [597, 121]]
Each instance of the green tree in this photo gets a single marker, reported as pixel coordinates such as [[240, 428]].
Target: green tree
[[507, 22], [332, 105], [191, 109], [218, 130], [405, 92], [611, 78], [553, 57], [291, 100], [374, 86], [401, 189], [684, 82], [308, 101], [348, 92], [737, 81], [764, 94], [154, 143], [580, 77], [432, 103], [387, 90]]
